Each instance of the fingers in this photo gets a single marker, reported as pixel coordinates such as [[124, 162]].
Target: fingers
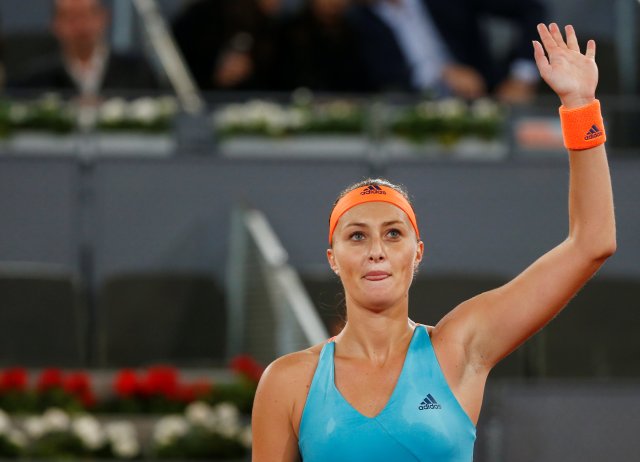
[[552, 39], [541, 60], [547, 40], [557, 35], [572, 40], [591, 49]]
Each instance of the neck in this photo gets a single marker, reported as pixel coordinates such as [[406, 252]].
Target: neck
[[376, 335]]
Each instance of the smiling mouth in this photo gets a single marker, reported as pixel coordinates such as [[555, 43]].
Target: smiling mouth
[[376, 276]]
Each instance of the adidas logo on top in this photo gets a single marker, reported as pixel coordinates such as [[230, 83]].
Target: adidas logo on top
[[372, 189], [593, 132], [429, 402]]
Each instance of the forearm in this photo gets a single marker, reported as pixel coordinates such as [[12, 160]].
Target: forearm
[[591, 214]]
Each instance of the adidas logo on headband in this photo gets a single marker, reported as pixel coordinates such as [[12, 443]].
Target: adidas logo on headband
[[372, 189]]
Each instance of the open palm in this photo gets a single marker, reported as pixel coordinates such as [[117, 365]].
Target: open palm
[[571, 74]]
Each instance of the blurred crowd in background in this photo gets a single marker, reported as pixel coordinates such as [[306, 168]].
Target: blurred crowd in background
[[464, 48]]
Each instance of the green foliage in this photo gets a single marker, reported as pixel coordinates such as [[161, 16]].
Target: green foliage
[[8, 449], [200, 443]]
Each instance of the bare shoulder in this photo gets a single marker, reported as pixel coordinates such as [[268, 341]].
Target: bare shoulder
[[286, 381], [293, 366]]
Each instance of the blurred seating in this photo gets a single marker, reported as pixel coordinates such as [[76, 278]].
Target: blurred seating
[[146, 318], [42, 321]]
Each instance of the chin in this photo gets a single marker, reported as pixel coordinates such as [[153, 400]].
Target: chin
[[379, 301]]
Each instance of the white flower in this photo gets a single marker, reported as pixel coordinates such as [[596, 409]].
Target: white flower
[[51, 101], [245, 437], [88, 429], [167, 105], [113, 110], [451, 107], [123, 438], [199, 413], [169, 429], [18, 112], [120, 431], [17, 438], [5, 423], [144, 110], [34, 426], [126, 448], [55, 420], [485, 108], [228, 419]]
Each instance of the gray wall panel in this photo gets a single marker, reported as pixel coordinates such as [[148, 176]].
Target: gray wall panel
[[498, 219], [569, 422], [175, 214], [39, 211]]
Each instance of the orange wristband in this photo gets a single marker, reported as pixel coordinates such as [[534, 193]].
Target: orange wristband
[[582, 127]]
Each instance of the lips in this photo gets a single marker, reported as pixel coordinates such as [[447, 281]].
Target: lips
[[376, 275]]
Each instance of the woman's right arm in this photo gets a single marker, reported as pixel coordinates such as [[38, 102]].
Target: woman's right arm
[[277, 408]]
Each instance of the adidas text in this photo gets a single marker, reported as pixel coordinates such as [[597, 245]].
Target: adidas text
[[372, 191], [429, 402], [594, 132], [424, 406]]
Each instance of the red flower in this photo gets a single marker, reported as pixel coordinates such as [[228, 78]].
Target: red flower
[[78, 384], [194, 391], [126, 383], [14, 379], [248, 367], [87, 398], [50, 378], [162, 381]]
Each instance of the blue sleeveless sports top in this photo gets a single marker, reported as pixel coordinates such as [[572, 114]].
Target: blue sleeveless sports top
[[422, 420]]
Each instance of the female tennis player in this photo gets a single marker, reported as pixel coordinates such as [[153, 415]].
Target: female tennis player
[[388, 389]]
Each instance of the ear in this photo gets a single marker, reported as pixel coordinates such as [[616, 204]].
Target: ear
[[331, 258], [419, 254]]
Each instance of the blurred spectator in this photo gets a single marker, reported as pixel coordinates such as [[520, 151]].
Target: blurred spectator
[[439, 46], [229, 44], [85, 61], [318, 50]]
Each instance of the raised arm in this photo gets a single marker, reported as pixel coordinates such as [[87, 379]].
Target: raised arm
[[491, 325]]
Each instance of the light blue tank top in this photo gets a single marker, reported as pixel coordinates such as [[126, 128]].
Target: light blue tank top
[[422, 421]]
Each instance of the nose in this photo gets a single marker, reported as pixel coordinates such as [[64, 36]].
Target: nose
[[376, 251]]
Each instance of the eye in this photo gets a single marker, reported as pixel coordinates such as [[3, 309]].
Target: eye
[[356, 236], [394, 233]]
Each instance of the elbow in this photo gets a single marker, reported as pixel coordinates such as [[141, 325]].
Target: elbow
[[609, 250], [597, 250], [603, 251]]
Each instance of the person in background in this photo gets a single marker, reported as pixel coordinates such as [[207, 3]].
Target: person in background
[[85, 64], [229, 44], [438, 46], [318, 50]]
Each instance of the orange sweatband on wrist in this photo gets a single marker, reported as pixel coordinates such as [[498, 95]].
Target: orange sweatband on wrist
[[582, 127], [371, 193]]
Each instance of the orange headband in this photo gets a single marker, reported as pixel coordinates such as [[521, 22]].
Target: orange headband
[[371, 193]]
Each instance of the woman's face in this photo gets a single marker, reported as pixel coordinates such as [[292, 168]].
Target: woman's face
[[375, 253]]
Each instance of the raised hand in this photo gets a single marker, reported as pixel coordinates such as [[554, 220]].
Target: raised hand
[[571, 74]]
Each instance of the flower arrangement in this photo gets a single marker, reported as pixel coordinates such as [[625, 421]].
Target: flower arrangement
[[203, 432], [151, 115], [264, 118], [71, 391], [56, 434], [159, 389], [50, 113], [448, 120], [155, 390]]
